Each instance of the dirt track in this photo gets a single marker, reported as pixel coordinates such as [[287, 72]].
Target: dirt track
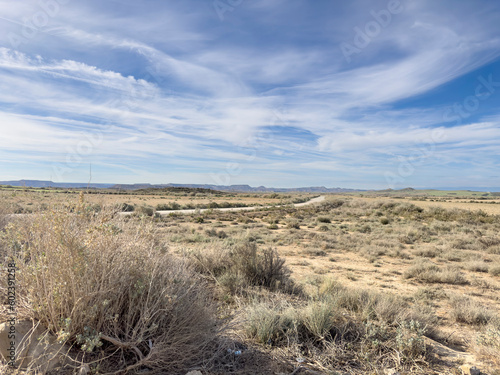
[[192, 211]]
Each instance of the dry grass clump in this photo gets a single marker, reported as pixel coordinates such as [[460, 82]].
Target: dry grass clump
[[4, 215], [243, 265], [488, 344], [458, 215], [488, 242], [110, 290], [342, 329], [428, 272], [427, 252], [494, 270], [144, 210], [324, 219], [477, 266], [271, 325], [467, 310], [372, 305]]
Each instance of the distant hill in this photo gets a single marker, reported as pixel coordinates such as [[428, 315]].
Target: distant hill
[[235, 188], [40, 183]]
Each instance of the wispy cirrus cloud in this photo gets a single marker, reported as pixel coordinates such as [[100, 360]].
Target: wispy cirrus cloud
[[170, 88]]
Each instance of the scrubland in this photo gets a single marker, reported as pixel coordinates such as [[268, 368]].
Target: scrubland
[[352, 285]]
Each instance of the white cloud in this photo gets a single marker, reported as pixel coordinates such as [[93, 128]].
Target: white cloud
[[215, 85]]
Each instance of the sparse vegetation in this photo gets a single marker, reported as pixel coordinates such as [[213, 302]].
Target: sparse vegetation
[[350, 284], [427, 272], [467, 310], [100, 284]]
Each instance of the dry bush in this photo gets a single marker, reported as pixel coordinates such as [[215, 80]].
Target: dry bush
[[271, 325], [495, 270], [292, 223], [488, 242], [477, 266], [110, 289], [427, 272], [379, 334], [467, 310], [4, 215], [144, 210], [454, 256], [427, 252], [488, 344], [494, 250], [458, 215], [245, 265], [211, 259], [261, 268], [372, 305]]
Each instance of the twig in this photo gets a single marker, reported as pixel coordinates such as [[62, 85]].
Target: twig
[[123, 345]]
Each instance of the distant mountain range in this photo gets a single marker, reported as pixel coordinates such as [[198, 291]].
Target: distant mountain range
[[235, 188], [39, 183]]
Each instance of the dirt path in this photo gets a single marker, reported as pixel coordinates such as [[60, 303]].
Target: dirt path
[[192, 211]]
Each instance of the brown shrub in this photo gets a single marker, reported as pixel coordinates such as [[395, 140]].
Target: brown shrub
[[103, 286], [467, 310]]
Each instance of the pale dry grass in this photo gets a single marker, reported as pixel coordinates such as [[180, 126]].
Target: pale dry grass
[[102, 285], [417, 256]]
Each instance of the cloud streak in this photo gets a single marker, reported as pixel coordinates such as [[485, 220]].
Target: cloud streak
[[167, 93]]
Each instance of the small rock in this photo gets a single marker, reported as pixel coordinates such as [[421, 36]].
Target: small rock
[[470, 370], [195, 372], [32, 345]]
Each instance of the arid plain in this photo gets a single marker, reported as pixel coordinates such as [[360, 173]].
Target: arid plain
[[359, 283]]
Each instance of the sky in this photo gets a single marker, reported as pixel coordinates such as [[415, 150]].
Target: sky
[[358, 94]]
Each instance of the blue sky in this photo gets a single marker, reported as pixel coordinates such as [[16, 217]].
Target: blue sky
[[360, 94]]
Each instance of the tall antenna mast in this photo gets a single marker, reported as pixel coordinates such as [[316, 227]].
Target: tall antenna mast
[[90, 177]]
